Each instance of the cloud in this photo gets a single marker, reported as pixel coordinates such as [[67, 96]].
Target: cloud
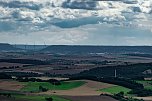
[[58, 36], [103, 34], [80, 4], [19, 4], [72, 13], [76, 21]]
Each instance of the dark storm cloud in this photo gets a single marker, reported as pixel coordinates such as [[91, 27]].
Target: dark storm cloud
[[77, 22], [18, 4], [89, 5]]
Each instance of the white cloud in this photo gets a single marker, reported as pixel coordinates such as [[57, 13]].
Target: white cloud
[[37, 11], [84, 35], [39, 20], [66, 36]]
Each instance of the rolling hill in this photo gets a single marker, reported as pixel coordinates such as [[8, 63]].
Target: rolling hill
[[67, 49], [4, 47]]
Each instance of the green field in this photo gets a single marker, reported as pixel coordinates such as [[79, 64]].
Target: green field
[[34, 86], [39, 98], [115, 90], [146, 84]]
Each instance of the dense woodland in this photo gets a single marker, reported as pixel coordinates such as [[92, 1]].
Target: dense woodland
[[133, 71], [126, 76]]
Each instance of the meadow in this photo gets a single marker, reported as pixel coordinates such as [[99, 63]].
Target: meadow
[[38, 98], [34, 86], [146, 84], [115, 90]]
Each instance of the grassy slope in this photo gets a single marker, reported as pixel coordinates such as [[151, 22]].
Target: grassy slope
[[34, 86], [39, 98], [147, 84], [115, 89]]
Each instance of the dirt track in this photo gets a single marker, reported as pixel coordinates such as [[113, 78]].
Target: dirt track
[[145, 98]]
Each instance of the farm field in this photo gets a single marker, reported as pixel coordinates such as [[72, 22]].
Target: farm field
[[39, 98], [147, 84], [47, 78], [76, 90], [5, 64], [90, 88], [10, 85], [90, 98], [34, 86], [86, 92], [21, 97], [115, 89], [57, 98]]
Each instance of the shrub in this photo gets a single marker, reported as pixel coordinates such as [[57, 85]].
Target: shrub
[[42, 89], [49, 99]]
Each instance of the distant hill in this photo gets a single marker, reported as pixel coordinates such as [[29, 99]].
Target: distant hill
[[31, 47], [67, 49], [7, 47]]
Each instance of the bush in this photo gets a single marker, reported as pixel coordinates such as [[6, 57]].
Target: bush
[[42, 89], [54, 82], [141, 92], [5, 94], [49, 99], [5, 76], [120, 96]]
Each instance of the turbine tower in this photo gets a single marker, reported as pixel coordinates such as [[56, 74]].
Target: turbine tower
[[115, 73]]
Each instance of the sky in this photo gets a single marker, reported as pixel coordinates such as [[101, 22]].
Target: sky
[[76, 22]]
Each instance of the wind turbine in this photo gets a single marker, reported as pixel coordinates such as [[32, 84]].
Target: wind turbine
[[115, 73]]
